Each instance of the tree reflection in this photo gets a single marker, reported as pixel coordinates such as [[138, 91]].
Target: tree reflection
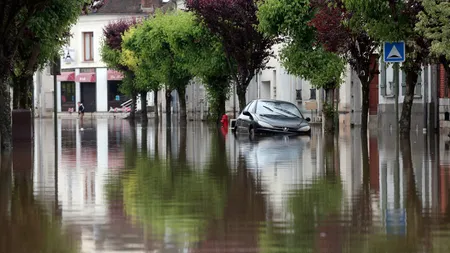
[[170, 198], [417, 235], [26, 226], [313, 209]]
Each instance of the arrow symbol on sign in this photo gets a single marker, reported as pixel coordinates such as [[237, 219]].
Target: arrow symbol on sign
[[394, 54]]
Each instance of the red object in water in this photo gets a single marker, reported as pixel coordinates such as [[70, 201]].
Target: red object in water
[[224, 121]]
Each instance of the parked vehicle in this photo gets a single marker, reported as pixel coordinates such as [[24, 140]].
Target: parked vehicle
[[266, 116]]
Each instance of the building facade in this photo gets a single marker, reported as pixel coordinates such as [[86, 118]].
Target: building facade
[[84, 76]]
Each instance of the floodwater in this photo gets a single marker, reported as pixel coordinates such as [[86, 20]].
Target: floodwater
[[166, 188]]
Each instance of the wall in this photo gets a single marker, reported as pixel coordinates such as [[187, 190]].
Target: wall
[[43, 93], [386, 108]]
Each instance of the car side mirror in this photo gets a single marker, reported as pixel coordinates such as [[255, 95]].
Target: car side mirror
[[246, 113], [308, 119]]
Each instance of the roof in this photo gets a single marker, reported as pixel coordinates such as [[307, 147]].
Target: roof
[[124, 6], [121, 6]]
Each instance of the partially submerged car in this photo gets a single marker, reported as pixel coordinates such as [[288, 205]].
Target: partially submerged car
[[266, 116]]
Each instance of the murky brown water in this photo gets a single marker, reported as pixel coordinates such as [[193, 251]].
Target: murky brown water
[[117, 188]]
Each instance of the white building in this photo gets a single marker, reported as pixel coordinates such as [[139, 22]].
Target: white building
[[85, 77]]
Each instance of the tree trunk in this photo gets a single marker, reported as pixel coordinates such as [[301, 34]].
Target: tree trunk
[[155, 103], [241, 90], [25, 82], [221, 107], [365, 107], [144, 116], [5, 115], [16, 93], [328, 112], [133, 107], [405, 119], [182, 97], [168, 103]]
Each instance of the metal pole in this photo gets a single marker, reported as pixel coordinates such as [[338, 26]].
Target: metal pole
[[425, 99], [234, 100], [434, 107], [397, 91], [55, 107], [55, 124]]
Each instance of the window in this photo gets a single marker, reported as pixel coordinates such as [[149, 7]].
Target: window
[[88, 45], [67, 95], [278, 109], [313, 94]]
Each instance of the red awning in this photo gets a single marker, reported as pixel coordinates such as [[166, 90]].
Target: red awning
[[114, 75], [85, 78], [66, 77]]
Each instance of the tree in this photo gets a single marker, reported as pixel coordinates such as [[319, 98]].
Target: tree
[[204, 58], [16, 16], [302, 54], [157, 44], [44, 36], [435, 26], [391, 20], [235, 23], [342, 33], [111, 51]]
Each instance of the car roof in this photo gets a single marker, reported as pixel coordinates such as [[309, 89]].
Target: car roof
[[272, 100]]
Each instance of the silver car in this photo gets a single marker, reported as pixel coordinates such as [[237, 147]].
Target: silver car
[[266, 116]]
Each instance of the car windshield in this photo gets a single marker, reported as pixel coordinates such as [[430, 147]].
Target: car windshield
[[272, 108]]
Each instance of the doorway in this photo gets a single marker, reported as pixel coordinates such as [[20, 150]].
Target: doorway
[[265, 89], [88, 96]]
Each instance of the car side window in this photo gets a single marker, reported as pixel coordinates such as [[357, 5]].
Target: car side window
[[252, 107]]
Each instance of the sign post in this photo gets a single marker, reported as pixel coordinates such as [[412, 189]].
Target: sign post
[[394, 52]]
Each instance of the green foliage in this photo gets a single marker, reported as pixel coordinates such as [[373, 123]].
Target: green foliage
[[301, 54], [47, 31], [172, 48], [156, 44], [387, 20], [308, 207], [159, 197], [434, 24]]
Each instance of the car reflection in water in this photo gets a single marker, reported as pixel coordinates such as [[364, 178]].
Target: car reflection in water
[[278, 151], [266, 116]]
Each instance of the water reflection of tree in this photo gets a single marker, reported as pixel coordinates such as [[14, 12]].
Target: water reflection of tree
[[245, 208], [26, 226], [314, 209], [417, 235], [170, 198]]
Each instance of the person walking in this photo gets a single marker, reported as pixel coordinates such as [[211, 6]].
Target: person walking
[[81, 114]]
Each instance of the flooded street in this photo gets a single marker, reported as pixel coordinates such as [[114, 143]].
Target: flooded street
[[166, 188]]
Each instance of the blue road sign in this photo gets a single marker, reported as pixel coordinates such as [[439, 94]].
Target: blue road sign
[[394, 52]]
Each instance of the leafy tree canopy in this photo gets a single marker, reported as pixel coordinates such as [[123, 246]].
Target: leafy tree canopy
[[302, 54], [235, 23], [390, 20], [434, 24], [47, 31], [158, 43]]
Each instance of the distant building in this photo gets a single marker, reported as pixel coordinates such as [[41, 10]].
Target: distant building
[[85, 76]]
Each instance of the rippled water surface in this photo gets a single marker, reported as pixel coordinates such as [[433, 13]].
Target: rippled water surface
[[165, 188]]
